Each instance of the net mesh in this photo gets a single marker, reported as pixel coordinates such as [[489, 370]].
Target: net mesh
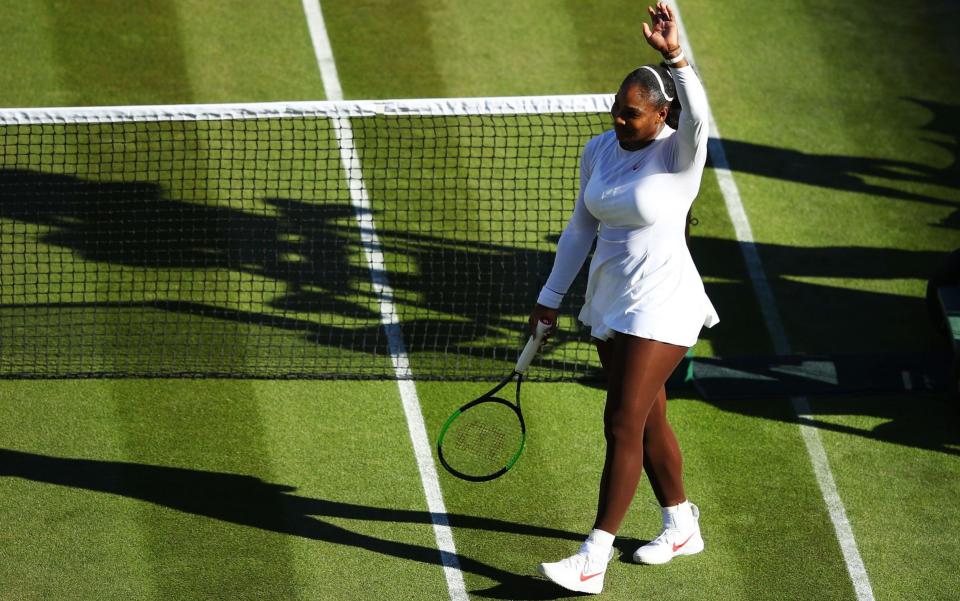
[[275, 240]]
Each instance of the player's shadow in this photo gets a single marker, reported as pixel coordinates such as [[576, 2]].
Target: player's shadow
[[819, 313], [249, 501], [132, 227], [838, 172]]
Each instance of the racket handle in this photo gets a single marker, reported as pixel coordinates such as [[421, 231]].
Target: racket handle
[[533, 345]]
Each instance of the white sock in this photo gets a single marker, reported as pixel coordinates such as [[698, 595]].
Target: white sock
[[678, 516], [598, 544]]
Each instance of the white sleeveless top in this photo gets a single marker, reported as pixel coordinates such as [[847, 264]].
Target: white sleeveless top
[[642, 280]]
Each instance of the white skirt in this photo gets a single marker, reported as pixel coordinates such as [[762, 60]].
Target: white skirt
[[631, 293]]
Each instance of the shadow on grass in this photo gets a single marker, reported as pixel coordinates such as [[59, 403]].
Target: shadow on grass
[[878, 177], [297, 274], [296, 268], [249, 501], [289, 276], [924, 421]]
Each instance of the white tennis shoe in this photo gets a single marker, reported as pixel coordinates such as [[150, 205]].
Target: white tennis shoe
[[680, 536], [582, 572]]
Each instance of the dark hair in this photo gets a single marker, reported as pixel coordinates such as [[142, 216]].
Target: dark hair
[[643, 77]]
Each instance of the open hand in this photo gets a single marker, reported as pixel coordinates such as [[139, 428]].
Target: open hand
[[664, 36]]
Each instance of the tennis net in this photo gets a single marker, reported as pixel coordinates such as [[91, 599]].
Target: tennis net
[[286, 239]]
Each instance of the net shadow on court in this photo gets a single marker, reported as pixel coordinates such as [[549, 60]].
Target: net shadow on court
[[97, 268]]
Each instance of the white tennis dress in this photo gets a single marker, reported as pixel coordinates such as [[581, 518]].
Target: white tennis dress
[[642, 279]]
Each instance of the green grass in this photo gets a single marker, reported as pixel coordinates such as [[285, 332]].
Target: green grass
[[841, 127], [61, 53], [897, 468], [554, 488], [185, 489], [841, 151], [250, 489]]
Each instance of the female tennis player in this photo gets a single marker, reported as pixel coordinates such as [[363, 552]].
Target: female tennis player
[[645, 302]]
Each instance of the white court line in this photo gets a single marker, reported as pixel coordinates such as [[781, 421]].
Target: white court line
[[372, 249], [323, 50], [778, 335]]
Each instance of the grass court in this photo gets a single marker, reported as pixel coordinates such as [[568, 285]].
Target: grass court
[[841, 125]]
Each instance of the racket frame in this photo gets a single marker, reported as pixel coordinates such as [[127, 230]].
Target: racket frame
[[487, 398], [523, 363]]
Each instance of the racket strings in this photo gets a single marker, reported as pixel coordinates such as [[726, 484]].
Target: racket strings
[[483, 439]]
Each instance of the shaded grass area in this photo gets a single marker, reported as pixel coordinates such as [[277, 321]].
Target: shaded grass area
[[846, 160], [143, 486], [220, 490], [845, 151]]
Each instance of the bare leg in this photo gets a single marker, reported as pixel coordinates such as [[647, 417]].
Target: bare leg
[[661, 455], [637, 369]]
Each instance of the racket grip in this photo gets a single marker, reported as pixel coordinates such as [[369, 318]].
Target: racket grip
[[533, 345]]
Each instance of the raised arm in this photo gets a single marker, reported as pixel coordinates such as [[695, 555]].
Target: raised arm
[[664, 35], [693, 129]]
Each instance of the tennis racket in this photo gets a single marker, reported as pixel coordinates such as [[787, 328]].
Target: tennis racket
[[483, 439]]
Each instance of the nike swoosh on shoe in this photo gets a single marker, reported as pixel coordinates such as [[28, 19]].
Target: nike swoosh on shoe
[[677, 547]]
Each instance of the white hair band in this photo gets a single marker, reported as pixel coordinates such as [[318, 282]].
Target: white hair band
[[663, 89]]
